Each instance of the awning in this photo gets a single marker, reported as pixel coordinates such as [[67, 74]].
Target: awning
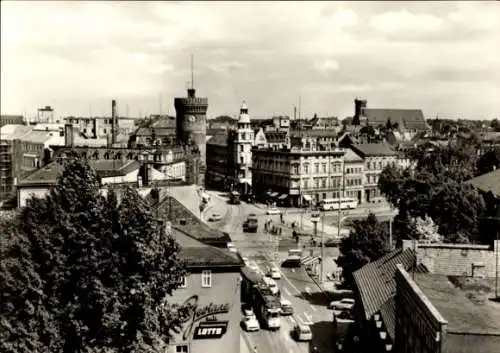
[[282, 197], [309, 260], [307, 197], [274, 194]]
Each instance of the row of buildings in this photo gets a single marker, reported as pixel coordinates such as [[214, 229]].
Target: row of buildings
[[302, 164]]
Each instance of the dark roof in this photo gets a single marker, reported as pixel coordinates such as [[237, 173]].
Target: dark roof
[[388, 313], [198, 254], [203, 232], [104, 168], [470, 324], [489, 182], [411, 119], [208, 256], [219, 139], [375, 281], [373, 149]]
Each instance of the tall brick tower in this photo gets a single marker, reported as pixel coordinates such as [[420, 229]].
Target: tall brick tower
[[191, 113]]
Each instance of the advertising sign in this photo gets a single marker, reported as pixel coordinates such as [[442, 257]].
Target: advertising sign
[[210, 329]]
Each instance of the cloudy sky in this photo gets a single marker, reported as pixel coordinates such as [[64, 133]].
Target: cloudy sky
[[443, 58]]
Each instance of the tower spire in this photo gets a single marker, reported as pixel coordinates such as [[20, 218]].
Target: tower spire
[[192, 73]]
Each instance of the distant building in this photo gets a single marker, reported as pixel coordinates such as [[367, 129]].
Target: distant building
[[45, 115], [325, 123], [376, 156], [191, 115], [161, 130], [354, 176], [220, 160], [409, 121], [445, 314], [242, 145], [11, 120], [222, 122], [298, 175]]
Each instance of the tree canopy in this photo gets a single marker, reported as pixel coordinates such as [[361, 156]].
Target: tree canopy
[[435, 188], [367, 241], [85, 273], [488, 161]]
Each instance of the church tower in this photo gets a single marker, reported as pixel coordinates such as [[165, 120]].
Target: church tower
[[243, 144], [191, 121]]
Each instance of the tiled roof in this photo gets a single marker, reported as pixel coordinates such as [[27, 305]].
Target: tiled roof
[[374, 149], [198, 254], [219, 139], [13, 131], [104, 168], [375, 281], [36, 137], [351, 156], [411, 119], [388, 313], [487, 182]]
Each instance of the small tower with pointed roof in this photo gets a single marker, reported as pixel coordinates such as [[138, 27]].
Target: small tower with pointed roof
[[243, 144]]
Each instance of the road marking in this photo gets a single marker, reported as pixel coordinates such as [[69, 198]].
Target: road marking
[[292, 285], [308, 319], [287, 291]]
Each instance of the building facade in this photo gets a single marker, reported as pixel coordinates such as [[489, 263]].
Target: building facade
[[243, 142], [11, 120], [100, 127], [353, 176], [211, 297], [376, 157], [296, 175], [220, 161]]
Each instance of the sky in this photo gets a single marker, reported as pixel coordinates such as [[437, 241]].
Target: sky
[[441, 57]]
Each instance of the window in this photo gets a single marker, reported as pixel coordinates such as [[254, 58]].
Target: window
[[316, 167], [295, 169], [324, 195], [323, 166], [241, 148], [206, 278], [183, 282], [306, 169], [316, 183], [183, 348], [241, 160], [306, 184], [323, 183]]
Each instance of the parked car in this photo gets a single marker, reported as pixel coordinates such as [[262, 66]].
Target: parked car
[[286, 307], [231, 247], [215, 217], [253, 266], [273, 211], [344, 304], [302, 333], [250, 323]]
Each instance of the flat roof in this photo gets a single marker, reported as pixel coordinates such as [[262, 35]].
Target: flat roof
[[461, 306]]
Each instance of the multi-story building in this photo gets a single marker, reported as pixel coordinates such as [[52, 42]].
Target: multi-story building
[[11, 120], [353, 176], [159, 130], [376, 157], [6, 182], [210, 296], [242, 144], [219, 160], [298, 175], [99, 127]]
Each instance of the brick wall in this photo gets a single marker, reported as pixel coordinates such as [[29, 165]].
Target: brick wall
[[456, 259]]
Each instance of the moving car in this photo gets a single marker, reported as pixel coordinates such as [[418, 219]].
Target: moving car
[[273, 211], [272, 285], [344, 304], [215, 217], [286, 307], [274, 273], [250, 323], [302, 333]]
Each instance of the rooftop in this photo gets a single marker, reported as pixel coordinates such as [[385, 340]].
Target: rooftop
[[411, 119], [351, 156], [489, 182], [220, 138], [461, 305], [14, 131], [374, 149], [104, 168]]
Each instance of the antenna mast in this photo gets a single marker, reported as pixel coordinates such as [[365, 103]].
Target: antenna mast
[[192, 75]]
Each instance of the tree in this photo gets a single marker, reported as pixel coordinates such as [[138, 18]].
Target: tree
[[366, 242], [424, 229], [488, 161], [86, 273], [390, 183], [495, 125]]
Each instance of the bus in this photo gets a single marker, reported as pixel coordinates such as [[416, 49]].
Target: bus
[[333, 204]]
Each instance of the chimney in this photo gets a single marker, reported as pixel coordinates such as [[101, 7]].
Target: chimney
[[114, 122], [68, 135], [294, 113]]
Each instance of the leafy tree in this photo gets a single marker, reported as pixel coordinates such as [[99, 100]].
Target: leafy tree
[[86, 273], [366, 242], [488, 161], [495, 125], [390, 183], [423, 229]]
